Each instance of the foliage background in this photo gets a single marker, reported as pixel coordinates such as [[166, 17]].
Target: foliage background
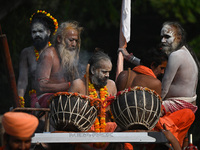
[[100, 19]]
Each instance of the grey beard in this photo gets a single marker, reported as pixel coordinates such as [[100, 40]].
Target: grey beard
[[69, 62], [97, 82], [167, 50]]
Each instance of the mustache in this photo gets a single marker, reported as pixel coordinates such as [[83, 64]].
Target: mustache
[[72, 48], [165, 44], [38, 38]]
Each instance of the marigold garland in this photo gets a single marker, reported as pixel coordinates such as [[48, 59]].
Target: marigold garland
[[31, 92], [37, 55], [99, 125], [21, 101], [48, 15]]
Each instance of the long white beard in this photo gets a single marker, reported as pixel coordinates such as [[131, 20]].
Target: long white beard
[[98, 82], [69, 61]]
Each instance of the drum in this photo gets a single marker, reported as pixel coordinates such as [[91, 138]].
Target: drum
[[137, 108], [71, 112]]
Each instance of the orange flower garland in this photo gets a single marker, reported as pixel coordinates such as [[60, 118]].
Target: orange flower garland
[[37, 55], [48, 15], [99, 125], [21, 101], [31, 92]]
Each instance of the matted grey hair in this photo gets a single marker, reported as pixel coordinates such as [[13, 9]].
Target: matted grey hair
[[62, 31], [96, 59], [69, 59], [179, 31]]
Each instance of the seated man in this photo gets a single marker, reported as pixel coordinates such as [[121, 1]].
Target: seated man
[[57, 66], [154, 63], [179, 83], [19, 128], [100, 86], [182, 61]]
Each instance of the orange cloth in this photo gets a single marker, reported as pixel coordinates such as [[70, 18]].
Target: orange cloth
[[144, 70], [177, 122], [128, 146], [19, 124]]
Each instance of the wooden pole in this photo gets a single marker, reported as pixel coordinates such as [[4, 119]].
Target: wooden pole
[[9, 69], [87, 78], [122, 44]]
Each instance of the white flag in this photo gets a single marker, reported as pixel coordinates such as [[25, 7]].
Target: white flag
[[126, 19]]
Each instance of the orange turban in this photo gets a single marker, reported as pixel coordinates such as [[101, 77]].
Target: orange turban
[[19, 124]]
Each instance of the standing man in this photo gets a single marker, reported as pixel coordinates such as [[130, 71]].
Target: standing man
[[57, 66], [42, 26], [181, 76], [99, 86], [19, 128]]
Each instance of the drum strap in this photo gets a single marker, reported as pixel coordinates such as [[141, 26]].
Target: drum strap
[[129, 70]]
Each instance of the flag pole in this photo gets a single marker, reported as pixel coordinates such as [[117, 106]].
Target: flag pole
[[124, 30]]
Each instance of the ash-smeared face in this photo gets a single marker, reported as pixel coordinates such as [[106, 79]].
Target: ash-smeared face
[[168, 39], [101, 75], [40, 35], [71, 39]]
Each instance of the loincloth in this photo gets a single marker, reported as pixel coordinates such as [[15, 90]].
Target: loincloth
[[43, 100], [176, 103]]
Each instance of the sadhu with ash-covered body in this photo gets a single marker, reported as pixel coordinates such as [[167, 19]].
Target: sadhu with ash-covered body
[[153, 63]]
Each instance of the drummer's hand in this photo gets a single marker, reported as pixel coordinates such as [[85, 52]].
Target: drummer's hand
[[167, 133], [171, 138]]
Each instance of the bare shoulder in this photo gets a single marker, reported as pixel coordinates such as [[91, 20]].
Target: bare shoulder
[[112, 89], [26, 51], [122, 80], [27, 48], [111, 82], [122, 75], [78, 86], [49, 51], [156, 85], [179, 53], [79, 81]]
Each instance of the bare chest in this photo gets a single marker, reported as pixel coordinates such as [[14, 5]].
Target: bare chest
[[32, 63]]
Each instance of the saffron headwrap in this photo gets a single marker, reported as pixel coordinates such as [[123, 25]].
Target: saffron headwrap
[[19, 124]]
